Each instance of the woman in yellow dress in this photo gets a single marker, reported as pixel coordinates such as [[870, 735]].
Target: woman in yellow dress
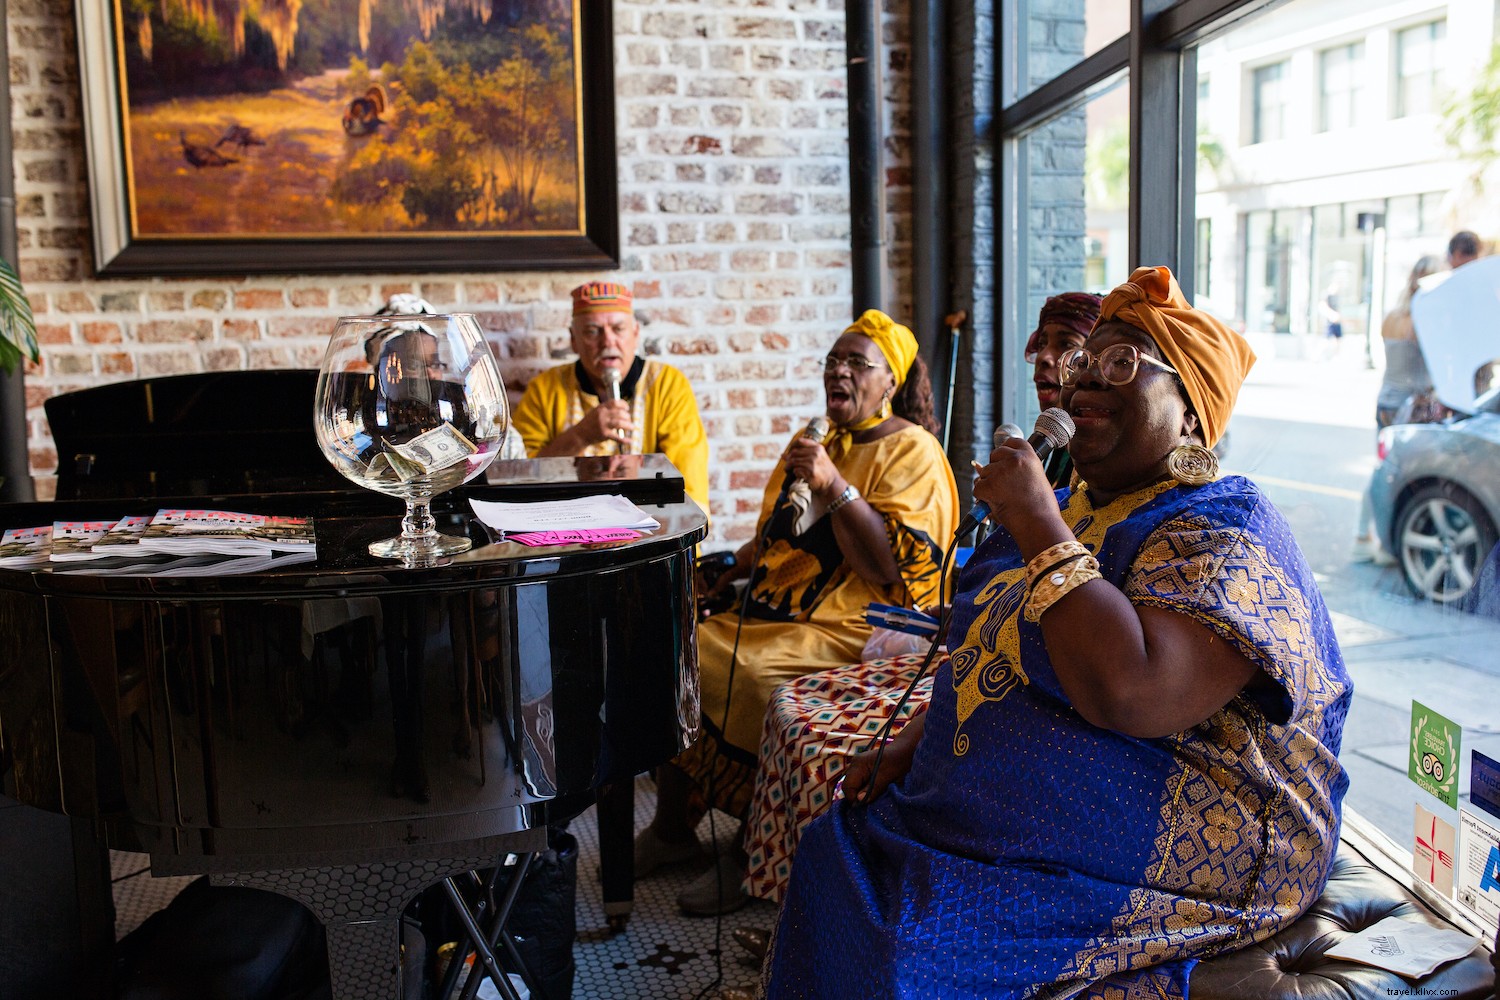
[[862, 516]]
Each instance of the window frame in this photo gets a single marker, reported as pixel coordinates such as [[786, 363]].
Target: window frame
[[1159, 52]]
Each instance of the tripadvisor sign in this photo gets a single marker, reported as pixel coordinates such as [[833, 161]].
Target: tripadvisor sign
[[1433, 762]]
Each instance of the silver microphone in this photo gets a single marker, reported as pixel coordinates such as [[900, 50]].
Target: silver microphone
[[612, 382], [1004, 432], [1054, 429], [817, 430], [612, 392]]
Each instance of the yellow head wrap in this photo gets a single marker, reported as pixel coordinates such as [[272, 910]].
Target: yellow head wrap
[[1212, 359], [895, 341]]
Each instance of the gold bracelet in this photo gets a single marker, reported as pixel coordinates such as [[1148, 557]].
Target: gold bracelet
[[1053, 587], [1053, 555]]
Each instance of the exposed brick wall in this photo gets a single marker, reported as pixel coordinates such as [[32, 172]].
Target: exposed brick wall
[[734, 217]]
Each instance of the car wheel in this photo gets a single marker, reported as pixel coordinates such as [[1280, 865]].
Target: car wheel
[[1442, 540]]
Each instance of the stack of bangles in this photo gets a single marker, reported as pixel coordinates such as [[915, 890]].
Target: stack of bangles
[[1055, 571]]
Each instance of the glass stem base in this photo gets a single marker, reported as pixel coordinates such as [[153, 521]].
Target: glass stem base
[[419, 538]]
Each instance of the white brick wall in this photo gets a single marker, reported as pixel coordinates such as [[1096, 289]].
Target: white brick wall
[[733, 214]]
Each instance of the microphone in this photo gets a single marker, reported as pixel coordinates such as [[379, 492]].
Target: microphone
[[1006, 431], [1054, 429], [612, 382], [612, 391], [817, 430]]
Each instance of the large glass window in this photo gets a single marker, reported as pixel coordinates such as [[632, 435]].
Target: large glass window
[[1340, 70], [1419, 68], [1268, 91], [1322, 178], [1312, 244], [1056, 35], [1074, 190]]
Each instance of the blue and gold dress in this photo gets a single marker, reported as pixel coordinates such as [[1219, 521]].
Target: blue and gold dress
[[1029, 853]]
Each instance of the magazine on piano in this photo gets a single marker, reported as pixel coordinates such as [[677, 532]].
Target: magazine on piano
[[73, 541], [22, 547], [226, 532], [123, 537]]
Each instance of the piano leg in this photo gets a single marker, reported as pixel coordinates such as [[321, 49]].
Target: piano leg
[[615, 812], [360, 906]]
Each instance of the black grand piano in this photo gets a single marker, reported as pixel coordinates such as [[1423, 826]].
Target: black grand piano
[[348, 731]]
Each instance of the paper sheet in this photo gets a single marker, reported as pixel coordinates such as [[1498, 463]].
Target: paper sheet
[[577, 514], [1408, 948]]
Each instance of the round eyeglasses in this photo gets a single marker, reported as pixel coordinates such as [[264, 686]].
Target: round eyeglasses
[[1116, 364], [857, 365]]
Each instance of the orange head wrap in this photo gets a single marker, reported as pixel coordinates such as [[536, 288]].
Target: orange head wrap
[[1212, 359]]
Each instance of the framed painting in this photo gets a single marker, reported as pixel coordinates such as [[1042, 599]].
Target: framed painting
[[288, 136]]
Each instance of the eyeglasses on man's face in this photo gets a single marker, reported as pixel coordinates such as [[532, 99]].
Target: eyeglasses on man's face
[[857, 364], [1117, 364]]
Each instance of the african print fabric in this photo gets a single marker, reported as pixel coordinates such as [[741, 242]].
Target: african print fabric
[[814, 725], [1029, 853], [806, 605]]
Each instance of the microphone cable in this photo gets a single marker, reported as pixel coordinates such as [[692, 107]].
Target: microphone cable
[[713, 775], [819, 425], [881, 739]]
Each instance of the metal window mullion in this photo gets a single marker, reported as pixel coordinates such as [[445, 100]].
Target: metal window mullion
[[1156, 141], [1062, 91]]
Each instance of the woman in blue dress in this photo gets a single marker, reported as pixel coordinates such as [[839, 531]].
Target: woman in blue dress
[[1131, 760]]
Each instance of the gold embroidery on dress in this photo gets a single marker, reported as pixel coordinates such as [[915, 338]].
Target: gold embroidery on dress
[[987, 666], [1214, 834]]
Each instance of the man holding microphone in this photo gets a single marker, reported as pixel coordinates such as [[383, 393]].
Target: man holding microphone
[[610, 401]]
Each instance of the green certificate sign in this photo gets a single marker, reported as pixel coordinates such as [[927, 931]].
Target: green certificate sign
[[1433, 762]]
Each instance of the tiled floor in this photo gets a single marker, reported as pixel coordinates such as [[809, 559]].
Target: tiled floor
[[661, 954]]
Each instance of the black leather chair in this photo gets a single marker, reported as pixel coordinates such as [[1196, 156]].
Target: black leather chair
[[190, 435], [1370, 882]]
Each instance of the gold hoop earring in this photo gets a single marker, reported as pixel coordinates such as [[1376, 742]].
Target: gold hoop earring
[[1192, 464], [885, 406]]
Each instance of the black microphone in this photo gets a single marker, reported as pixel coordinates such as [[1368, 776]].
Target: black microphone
[[1054, 429], [817, 430]]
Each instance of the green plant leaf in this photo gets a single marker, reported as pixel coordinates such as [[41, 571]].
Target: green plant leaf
[[17, 324]]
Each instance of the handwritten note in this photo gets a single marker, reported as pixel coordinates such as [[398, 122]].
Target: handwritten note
[[585, 536]]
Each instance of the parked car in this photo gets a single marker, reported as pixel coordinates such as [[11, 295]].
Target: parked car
[[1436, 497]]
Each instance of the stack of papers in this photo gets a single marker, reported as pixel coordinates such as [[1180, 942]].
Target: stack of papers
[[22, 547], [578, 514], [225, 532], [172, 543]]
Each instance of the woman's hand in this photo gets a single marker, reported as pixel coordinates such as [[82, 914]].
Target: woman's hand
[[894, 764], [1015, 486], [808, 460]]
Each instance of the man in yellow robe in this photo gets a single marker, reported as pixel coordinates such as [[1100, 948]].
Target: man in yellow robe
[[572, 410]]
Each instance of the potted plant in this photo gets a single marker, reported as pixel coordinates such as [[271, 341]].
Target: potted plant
[[17, 325]]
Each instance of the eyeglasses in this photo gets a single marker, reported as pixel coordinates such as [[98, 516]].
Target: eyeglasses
[[1117, 364], [856, 364]]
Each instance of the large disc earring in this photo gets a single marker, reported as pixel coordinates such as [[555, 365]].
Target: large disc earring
[[1192, 464]]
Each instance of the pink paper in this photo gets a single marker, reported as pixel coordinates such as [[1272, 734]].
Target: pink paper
[[582, 536]]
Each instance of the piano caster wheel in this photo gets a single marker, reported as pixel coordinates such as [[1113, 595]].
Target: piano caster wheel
[[616, 922]]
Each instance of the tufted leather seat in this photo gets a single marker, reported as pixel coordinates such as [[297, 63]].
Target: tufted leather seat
[[1365, 887]]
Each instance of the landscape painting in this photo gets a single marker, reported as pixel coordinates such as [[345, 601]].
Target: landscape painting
[[284, 135]]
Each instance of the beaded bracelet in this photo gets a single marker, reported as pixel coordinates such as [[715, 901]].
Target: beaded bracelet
[[1050, 588], [1053, 556]]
